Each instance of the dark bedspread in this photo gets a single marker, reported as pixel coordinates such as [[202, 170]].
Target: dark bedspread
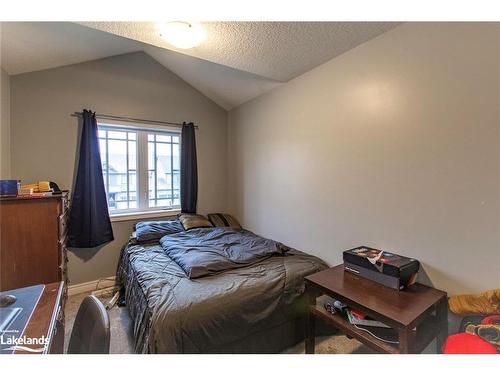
[[208, 251], [175, 314]]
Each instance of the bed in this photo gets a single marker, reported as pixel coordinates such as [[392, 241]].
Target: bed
[[258, 307]]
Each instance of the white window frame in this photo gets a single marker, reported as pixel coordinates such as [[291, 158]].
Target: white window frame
[[143, 211]]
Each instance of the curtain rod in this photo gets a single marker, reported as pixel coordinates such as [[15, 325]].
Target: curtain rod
[[131, 119]]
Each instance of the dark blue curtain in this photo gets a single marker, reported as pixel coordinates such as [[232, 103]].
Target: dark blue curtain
[[89, 224], [189, 170]]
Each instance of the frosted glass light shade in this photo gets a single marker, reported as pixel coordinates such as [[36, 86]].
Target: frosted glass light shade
[[183, 35]]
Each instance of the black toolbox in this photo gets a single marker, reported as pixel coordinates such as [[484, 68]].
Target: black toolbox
[[389, 269]]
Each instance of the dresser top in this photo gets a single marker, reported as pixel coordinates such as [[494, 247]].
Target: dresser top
[[63, 194]]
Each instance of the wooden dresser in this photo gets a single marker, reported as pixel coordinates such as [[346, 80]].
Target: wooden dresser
[[33, 241]]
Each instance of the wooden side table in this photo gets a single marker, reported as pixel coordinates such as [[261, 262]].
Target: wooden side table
[[418, 314]]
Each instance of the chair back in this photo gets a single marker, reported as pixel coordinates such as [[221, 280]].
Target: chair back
[[90, 334]]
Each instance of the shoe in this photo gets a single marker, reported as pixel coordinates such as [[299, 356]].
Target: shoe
[[488, 332]]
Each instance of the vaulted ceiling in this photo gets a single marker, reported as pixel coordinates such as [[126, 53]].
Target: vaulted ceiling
[[237, 62]]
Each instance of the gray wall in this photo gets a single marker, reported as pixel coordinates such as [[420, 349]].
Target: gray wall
[[44, 136], [395, 144], [5, 125]]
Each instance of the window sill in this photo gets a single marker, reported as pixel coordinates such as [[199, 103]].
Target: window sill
[[128, 216]]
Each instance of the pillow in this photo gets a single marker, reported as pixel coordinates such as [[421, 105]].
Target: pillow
[[224, 220], [154, 230], [191, 221]]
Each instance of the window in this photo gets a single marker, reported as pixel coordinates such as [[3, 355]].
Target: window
[[141, 168], [163, 170]]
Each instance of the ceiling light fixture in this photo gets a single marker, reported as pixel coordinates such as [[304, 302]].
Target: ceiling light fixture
[[183, 35]]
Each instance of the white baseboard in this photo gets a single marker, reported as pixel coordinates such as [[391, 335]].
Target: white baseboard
[[90, 286], [105, 292]]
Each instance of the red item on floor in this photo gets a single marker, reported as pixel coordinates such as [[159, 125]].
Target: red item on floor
[[465, 343], [358, 314]]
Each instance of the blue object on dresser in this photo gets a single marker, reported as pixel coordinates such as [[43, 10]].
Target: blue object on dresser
[[8, 188]]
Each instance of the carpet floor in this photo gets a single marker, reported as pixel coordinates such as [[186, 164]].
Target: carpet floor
[[122, 340]]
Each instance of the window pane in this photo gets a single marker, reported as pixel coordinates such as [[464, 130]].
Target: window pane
[[163, 138], [105, 177], [117, 156], [163, 174], [133, 184], [103, 151], [163, 158], [162, 183], [132, 155], [119, 164], [132, 197], [162, 202], [151, 155], [176, 158], [152, 189], [163, 165], [177, 197], [117, 170], [121, 205], [177, 180], [117, 134]]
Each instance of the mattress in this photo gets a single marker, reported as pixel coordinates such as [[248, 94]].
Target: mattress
[[232, 311]]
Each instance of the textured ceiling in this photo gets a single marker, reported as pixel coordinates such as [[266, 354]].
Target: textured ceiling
[[226, 86], [237, 62], [275, 50]]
